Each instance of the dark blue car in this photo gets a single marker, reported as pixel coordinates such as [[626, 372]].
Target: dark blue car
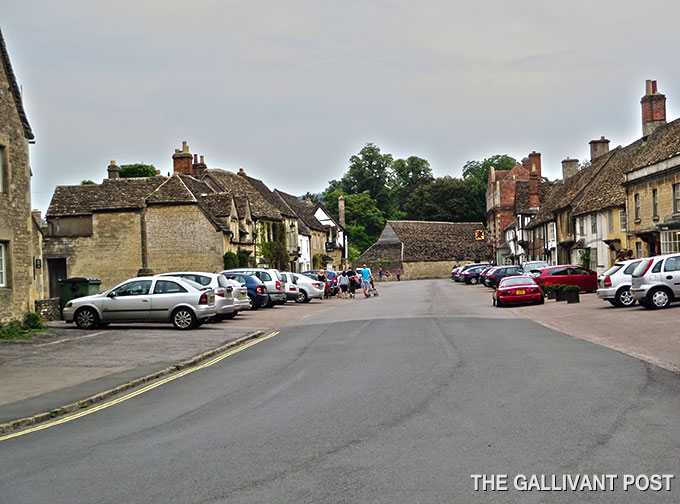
[[257, 291]]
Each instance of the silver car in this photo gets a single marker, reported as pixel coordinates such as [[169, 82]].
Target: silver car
[[224, 291], [614, 284], [656, 281], [145, 299], [292, 293], [272, 279], [308, 288], [241, 299]]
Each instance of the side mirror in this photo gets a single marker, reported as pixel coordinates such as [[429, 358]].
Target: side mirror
[[111, 294]]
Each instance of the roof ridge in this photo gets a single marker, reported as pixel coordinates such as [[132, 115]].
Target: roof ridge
[[14, 89]]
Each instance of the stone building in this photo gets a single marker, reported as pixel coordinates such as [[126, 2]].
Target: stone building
[[21, 271], [425, 249]]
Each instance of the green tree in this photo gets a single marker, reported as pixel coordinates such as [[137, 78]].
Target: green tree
[[230, 260], [275, 251], [88, 182], [446, 199], [364, 220], [137, 170], [479, 170], [407, 175]]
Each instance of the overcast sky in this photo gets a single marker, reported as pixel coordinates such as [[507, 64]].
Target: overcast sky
[[290, 90]]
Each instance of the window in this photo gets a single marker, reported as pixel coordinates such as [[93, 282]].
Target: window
[[551, 232], [581, 232], [622, 219], [167, 287], [676, 198], [559, 271], [672, 264], [593, 224], [3, 264], [657, 267], [655, 202], [630, 268], [135, 288], [638, 249], [610, 220], [637, 207], [670, 242]]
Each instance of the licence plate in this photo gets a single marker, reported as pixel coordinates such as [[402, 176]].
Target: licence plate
[[521, 291]]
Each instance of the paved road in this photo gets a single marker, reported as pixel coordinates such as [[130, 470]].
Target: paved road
[[394, 399]]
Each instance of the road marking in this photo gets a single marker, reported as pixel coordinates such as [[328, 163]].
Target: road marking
[[71, 339], [138, 392]]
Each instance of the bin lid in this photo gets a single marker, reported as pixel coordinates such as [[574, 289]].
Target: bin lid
[[80, 280]]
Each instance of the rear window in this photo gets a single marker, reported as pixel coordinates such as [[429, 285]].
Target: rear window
[[630, 268], [614, 269], [222, 281], [284, 277], [642, 267], [506, 282], [203, 280], [559, 271]]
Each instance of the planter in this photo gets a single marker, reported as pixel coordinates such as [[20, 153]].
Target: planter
[[572, 297], [560, 296], [551, 294]]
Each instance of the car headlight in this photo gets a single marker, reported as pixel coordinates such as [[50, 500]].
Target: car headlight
[[69, 304]]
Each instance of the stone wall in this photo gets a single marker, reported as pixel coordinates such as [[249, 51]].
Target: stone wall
[[429, 269], [48, 308], [16, 230], [181, 238]]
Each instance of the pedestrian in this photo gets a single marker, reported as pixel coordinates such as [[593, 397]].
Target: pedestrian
[[366, 278], [398, 274], [387, 275], [343, 283], [352, 276], [380, 273]]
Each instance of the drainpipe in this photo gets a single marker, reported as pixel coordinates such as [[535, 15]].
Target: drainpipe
[[144, 270]]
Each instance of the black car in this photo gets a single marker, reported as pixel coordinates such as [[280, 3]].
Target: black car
[[458, 275], [471, 275], [492, 279], [257, 290]]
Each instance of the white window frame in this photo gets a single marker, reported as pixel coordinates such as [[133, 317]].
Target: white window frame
[[593, 224], [676, 198], [636, 206], [655, 202], [3, 264], [623, 224], [670, 242]]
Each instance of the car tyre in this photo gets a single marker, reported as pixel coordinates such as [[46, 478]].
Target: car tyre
[[86, 318], [303, 297], [183, 319], [624, 297], [473, 281], [253, 304], [270, 303], [541, 300], [230, 315], [659, 298]]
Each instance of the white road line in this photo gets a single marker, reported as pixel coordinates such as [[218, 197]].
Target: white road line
[[71, 339]]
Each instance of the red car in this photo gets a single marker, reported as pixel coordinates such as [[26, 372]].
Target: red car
[[569, 274], [517, 290]]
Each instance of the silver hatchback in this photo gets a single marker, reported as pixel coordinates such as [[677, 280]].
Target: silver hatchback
[[224, 291], [656, 281], [272, 279], [145, 299], [614, 284]]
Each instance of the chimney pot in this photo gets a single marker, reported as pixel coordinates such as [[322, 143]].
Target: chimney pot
[[195, 158], [653, 108], [598, 147], [113, 170], [202, 159], [185, 147], [569, 168]]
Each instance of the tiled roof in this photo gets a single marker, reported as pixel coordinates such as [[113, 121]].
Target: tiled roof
[[662, 144], [272, 198], [522, 196], [303, 210], [173, 190], [241, 188], [440, 241], [14, 89]]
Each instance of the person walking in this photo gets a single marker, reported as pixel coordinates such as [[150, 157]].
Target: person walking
[[380, 274], [398, 274], [366, 280], [343, 283], [352, 276]]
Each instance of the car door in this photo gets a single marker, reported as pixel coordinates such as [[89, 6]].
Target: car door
[[166, 295], [129, 302], [559, 276], [671, 274], [584, 278]]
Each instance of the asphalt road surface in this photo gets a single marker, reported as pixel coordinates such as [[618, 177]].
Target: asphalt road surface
[[399, 398]]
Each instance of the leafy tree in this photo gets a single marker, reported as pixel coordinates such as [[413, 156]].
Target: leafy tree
[[137, 170], [407, 175], [275, 251], [88, 182], [446, 199], [479, 170], [244, 258], [230, 260], [313, 197]]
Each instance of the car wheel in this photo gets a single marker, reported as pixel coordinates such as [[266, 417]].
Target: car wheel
[[624, 297], [473, 281], [613, 302], [499, 304], [253, 304], [303, 297], [270, 303], [183, 318], [86, 318], [541, 300], [230, 315], [659, 298]]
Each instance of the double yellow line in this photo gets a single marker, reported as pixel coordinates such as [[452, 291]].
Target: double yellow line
[[138, 392]]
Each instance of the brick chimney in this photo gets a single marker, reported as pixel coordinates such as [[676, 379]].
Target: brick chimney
[[535, 164], [598, 147], [653, 108], [526, 164], [241, 171], [113, 170], [341, 210], [199, 167], [181, 160], [569, 168]]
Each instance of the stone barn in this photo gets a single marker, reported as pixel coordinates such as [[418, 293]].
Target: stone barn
[[426, 249]]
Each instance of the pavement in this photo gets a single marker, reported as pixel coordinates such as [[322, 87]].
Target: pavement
[[66, 368]]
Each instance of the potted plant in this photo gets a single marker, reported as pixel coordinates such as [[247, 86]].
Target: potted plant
[[571, 293], [549, 290], [559, 293]]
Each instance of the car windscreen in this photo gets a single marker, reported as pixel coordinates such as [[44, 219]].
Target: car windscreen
[[508, 282]]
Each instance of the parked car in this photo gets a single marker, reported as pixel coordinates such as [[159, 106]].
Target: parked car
[[455, 270], [145, 299], [471, 275], [656, 281], [569, 274], [482, 275], [531, 267], [291, 287], [241, 299], [257, 290], [331, 279], [308, 288], [224, 298], [520, 289], [494, 277], [614, 284], [271, 277], [458, 276]]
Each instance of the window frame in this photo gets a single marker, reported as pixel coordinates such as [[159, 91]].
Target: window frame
[[593, 224], [4, 171], [655, 203], [623, 219], [676, 198], [4, 270], [636, 206]]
